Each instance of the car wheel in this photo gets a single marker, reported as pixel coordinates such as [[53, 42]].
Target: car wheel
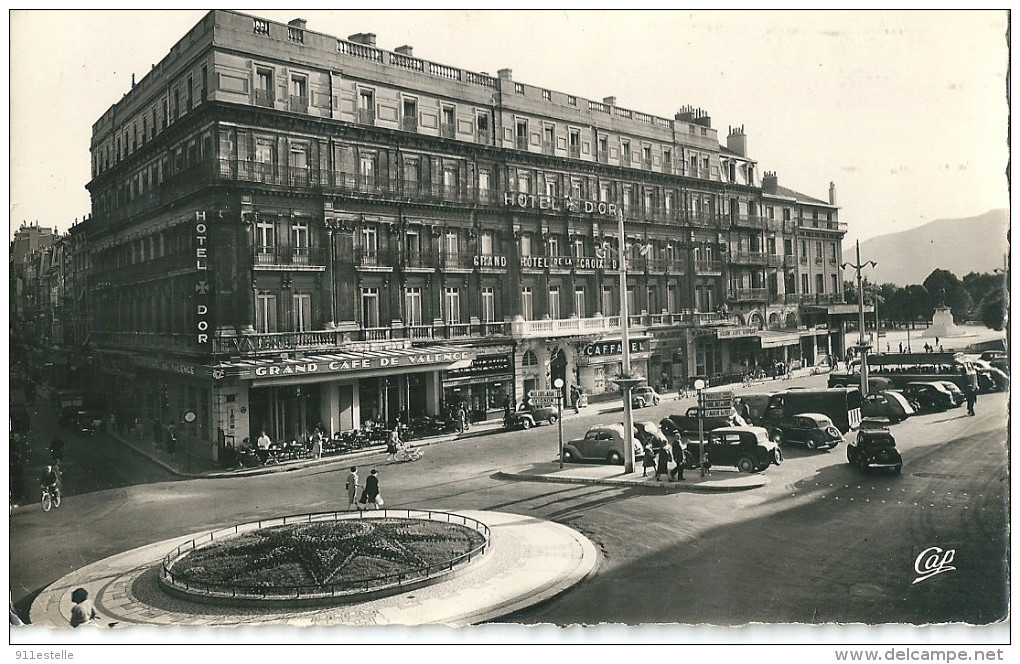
[[614, 458], [850, 456], [777, 456], [810, 444], [745, 464], [897, 469], [656, 402], [553, 419], [526, 424]]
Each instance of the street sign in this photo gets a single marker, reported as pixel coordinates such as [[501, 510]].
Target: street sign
[[543, 394], [718, 396], [542, 402], [717, 412]]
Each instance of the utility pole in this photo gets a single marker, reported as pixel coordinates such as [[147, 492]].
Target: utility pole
[[862, 345]]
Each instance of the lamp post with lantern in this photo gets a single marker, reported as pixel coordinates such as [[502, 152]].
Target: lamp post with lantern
[[862, 345], [625, 381], [558, 384]]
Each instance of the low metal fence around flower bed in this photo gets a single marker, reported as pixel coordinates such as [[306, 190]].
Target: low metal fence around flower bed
[[317, 552]]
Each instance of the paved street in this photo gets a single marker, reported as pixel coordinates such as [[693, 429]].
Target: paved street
[[819, 543]]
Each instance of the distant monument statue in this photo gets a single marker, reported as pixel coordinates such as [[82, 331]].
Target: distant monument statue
[[942, 324]]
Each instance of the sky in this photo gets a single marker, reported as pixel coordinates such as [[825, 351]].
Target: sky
[[905, 111]]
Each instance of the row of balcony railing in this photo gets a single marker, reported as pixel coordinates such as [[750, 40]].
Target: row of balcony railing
[[303, 177]]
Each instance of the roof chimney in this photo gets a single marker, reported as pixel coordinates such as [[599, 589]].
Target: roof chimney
[[770, 182], [404, 50], [298, 23], [508, 74], [609, 101], [832, 193], [737, 140], [366, 38]]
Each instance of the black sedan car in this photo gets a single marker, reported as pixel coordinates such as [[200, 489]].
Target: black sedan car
[[874, 448], [530, 417], [813, 430], [748, 448], [929, 397]]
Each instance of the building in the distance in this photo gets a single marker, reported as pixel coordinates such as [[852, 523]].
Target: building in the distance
[[292, 229]]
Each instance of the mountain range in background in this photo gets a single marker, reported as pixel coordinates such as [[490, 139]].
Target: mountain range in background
[[974, 244]]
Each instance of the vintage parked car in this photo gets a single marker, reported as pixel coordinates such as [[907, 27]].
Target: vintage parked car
[[990, 378], [888, 404], [603, 442], [530, 417], [814, 430], [929, 397], [644, 396], [687, 424], [746, 447], [998, 359], [958, 396], [874, 448]]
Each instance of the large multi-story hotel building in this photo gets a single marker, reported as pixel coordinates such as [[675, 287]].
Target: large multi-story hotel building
[[291, 228]]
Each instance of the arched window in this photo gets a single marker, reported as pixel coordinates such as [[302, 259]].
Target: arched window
[[529, 359]]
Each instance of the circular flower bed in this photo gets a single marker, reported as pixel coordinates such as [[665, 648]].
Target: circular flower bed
[[323, 557]]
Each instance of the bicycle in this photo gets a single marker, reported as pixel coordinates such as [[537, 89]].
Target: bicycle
[[409, 454], [50, 498]]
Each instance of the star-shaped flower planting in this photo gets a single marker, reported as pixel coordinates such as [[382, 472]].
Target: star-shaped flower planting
[[339, 553]]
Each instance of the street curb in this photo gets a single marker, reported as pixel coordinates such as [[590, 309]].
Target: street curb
[[667, 487]]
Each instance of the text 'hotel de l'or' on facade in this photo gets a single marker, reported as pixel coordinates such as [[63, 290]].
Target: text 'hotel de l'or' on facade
[[292, 229]]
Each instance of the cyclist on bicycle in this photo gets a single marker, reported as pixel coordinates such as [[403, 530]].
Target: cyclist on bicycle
[[50, 479]]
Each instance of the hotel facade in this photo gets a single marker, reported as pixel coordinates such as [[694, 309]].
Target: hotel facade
[[291, 229]]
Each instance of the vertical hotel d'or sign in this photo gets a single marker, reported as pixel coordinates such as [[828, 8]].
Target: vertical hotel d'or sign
[[202, 285]]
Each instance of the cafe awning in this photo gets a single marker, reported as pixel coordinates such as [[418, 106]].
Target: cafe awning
[[348, 364], [770, 339]]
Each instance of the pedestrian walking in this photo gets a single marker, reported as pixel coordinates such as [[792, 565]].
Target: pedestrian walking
[[370, 495], [171, 441], [352, 486], [662, 459], [647, 460], [392, 445], [677, 450], [936, 341], [901, 346], [507, 408], [706, 464], [743, 410], [462, 418], [971, 396], [317, 444]]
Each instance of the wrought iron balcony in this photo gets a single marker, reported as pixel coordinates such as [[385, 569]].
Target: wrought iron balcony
[[747, 221], [372, 257], [298, 104], [290, 256], [748, 294], [455, 259], [702, 266], [264, 98], [747, 257]]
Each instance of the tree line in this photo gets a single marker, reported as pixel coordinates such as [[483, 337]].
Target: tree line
[[977, 297]]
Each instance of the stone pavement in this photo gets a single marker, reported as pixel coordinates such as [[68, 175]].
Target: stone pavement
[[529, 561]]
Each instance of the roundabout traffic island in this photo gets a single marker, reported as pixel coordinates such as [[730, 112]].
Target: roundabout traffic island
[[324, 558]]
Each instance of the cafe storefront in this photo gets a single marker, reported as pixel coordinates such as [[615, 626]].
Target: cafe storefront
[[598, 362], [484, 386], [287, 398]]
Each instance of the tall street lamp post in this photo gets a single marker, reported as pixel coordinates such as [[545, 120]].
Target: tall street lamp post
[[862, 345], [558, 384], [625, 381]]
